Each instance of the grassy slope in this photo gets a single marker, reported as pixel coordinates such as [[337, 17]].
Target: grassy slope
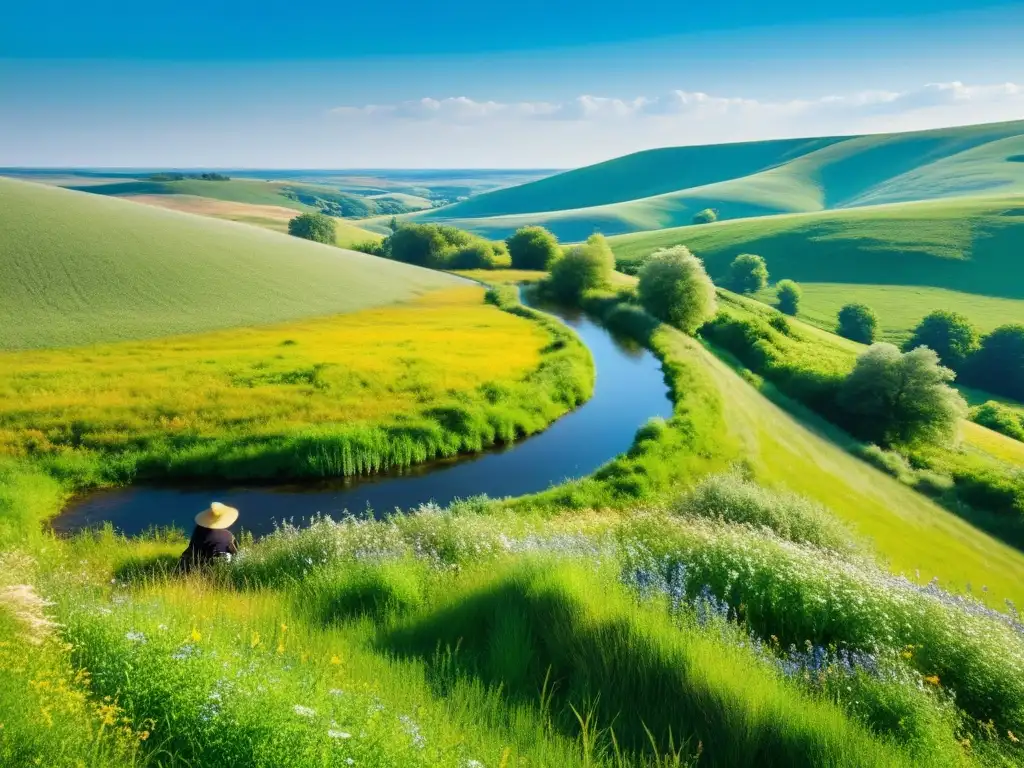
[[663, 188], [909, 530], [904, 260], [273, 217], [84, 268]]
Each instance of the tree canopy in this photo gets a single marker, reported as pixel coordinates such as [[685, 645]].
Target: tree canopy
[[706, 216], [533, 248], [313, 226], [858, 323], [998, 364], [950, 334], [748, 273], [902, 398], [585, 267], [788, 293], [675, 288]]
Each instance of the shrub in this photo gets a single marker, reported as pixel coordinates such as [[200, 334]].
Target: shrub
[[748, 273], [420, 244], [585, 267], [675, 289], [998, 365], [950, 334], [788, 293], [780, 323], [533, 248], [479, 254], [1000, 418], [372, 247], [313, 226], [858, 323], [901, 398], [707, 216]]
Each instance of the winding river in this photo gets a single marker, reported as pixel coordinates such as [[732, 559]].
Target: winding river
[[629, 390]]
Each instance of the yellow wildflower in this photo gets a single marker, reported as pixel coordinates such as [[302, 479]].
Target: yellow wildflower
[[143, 735], [284, 627], [255, 640], [1012, 738], [280, 647], [196, 636], [932, 679], [335, 660]]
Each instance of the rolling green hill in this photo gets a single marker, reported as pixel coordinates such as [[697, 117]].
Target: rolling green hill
[[664, 187], [82, 268], [904, 260]]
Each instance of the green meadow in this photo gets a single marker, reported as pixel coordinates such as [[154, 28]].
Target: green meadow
[[746, 584], [84, 268], [664, 188], [903, 260]]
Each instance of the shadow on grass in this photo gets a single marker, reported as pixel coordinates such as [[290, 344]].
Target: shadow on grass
[[148, 568], [590, 662]]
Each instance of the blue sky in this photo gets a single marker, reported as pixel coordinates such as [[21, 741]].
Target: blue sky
[[443, 84]]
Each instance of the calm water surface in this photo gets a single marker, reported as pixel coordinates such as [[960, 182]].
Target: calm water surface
[[629, 390]]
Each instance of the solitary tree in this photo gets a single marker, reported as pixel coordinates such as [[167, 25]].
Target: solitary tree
[[533, 248], [584, 267], [788, 294], [998, 365], [950, 334], [748, 273], [675, 288], [858, 323], [902, 398], [313, 226], [706, 216]]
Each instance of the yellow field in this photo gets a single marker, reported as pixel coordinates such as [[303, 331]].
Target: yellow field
[[362, 367]]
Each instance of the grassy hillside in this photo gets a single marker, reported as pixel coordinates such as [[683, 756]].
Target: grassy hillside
[[84, 268], [273, 217], [665, 187], [904, 260]]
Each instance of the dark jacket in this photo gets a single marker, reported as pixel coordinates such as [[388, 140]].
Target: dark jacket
[[205, 545]]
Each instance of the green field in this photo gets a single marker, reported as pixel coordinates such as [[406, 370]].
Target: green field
[[663, 188], [904, 260], [85, 268]]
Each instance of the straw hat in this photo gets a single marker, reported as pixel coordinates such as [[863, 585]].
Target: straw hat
[[217, 516]]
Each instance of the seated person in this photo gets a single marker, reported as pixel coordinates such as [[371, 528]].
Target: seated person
[[211, 538]]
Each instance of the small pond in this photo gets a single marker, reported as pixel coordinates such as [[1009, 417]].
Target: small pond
[[629, 390]]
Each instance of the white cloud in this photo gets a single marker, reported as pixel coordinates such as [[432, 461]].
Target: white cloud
[[690, 106]]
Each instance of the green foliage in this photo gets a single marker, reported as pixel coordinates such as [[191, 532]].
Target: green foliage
[[443, 247], [998, 364], [999, 417], [902, 398], [675, 289], [421, 244], [584, 268], [788, 294], [706, 216], [533, 248], [479, 254], [950, 334], [313, 226], [858, 323], [748, 273]]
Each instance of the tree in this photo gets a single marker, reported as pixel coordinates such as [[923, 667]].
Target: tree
[[950, 334], [748, 273], [313, 226], [421, 244], [788, 294], [586, 266], [998, 365], [675, 288], [533, 248], [478, 254], [858, 323], [902, 398], [707, 216]]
